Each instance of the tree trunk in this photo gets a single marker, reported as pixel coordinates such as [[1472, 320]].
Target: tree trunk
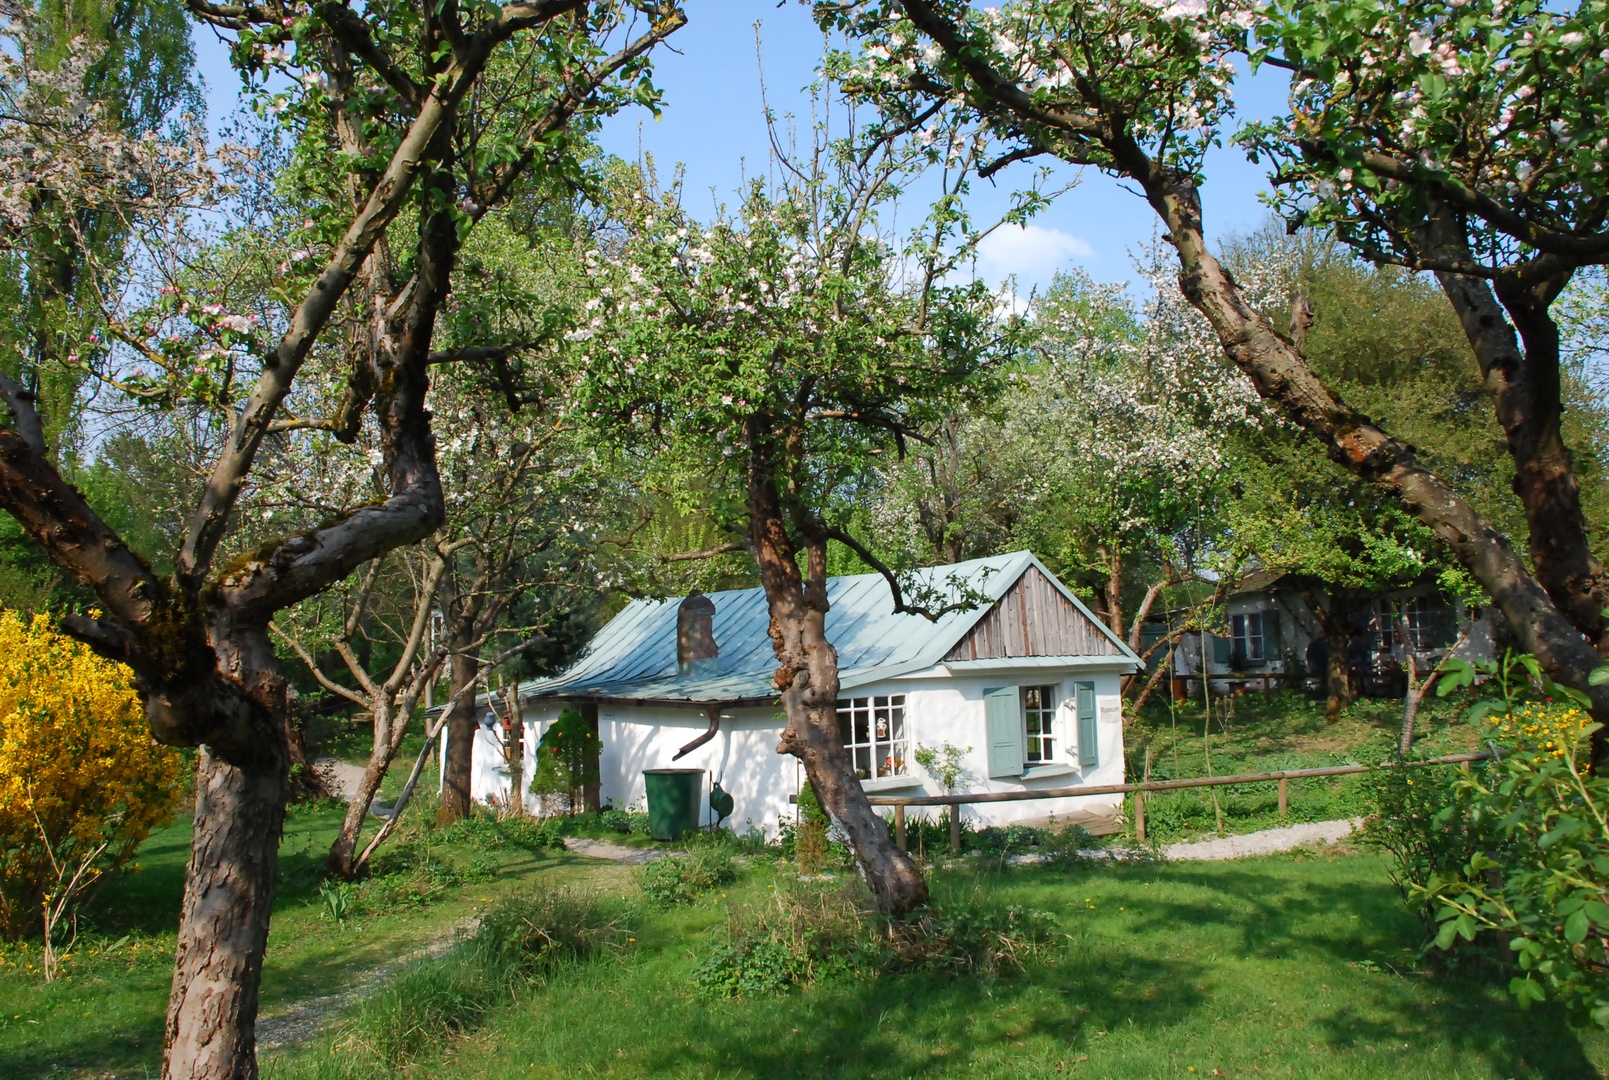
[[1114, 590], [229, 887], [456, 800], [388, 733], [1337, 677], [1527, 391], [1410, 701], [807, 681]]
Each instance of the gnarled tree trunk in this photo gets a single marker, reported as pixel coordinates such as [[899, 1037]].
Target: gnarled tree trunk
[[229, 887], [807, 680]]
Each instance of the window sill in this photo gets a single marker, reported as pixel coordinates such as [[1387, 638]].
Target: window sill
[[1045, 772], [891, 783]]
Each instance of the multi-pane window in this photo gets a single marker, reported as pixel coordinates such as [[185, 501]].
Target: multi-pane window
[[1430, 623], [1039, 723], [1247, 634], [873, 730]]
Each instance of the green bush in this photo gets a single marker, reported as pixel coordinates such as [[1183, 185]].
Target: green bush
[[809, 934], [810, 852], [483, 831], [801, 935], [529, 934], [624, 821], [1065, 848], [681, 880], [750, 969], [1424, 819], [566, 757]]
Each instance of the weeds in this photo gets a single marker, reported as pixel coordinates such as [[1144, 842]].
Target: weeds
[[668, 882], [808, 934]]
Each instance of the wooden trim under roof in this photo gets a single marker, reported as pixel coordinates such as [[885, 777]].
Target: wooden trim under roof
[[1033, 619]]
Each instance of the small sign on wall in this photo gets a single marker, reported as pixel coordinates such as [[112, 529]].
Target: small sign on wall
[[1111, 712]]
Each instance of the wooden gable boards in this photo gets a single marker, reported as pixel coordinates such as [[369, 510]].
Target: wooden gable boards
[[1034, 618]]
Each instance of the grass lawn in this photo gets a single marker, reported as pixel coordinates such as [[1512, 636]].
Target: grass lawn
[[106, 1016], [1286, 966], [1296, 965]]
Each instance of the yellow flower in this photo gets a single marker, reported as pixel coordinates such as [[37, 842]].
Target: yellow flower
[[76, 757]]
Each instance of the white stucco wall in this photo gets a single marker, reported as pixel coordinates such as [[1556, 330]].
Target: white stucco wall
[[940, 708]]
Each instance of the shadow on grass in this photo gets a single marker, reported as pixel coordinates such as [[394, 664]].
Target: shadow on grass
[[1371, 931], [917, 1025]]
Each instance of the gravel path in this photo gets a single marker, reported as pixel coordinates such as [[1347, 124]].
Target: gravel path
[[1266, 842], [347, 777], [603, 849]]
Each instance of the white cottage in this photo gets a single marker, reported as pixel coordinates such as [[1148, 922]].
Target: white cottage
[[1027, 685]]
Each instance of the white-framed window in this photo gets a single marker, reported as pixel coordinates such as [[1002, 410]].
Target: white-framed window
[[874, 732], [1250, 641], [1039, 724]]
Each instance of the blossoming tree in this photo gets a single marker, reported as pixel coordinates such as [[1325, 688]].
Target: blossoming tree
[[768, 358], [1141, 90], [406, 158]]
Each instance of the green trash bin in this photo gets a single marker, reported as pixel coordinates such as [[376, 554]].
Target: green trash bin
[[675, 797]]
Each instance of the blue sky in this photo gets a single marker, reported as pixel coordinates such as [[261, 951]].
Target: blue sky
[[713, 125]]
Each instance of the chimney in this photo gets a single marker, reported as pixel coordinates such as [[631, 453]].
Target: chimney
[[696, 650]]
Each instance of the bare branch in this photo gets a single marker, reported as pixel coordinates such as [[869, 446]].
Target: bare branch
[[325, 681], [966, 603], [707, 553]]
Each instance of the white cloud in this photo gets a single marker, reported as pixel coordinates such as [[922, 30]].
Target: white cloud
[[1032, 252]]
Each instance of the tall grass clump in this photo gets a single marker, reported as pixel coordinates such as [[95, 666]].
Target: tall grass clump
[[684, 878], [808, 933]]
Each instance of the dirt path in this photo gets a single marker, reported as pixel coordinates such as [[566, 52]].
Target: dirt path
[[299, 1021]]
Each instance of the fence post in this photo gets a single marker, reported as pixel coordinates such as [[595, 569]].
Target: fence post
[[1139, 799], [1284, 795], [955, 828], [899, 826]]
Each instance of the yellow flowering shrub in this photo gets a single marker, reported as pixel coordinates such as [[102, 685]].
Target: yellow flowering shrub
[[1546, 729], [78, 767]]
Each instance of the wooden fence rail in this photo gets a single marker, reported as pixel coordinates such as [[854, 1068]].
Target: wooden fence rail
[[1283, 777]]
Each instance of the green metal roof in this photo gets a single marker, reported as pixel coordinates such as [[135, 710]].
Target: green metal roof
[[633, 658]]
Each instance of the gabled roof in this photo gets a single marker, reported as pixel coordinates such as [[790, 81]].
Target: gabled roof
[[633, 658]]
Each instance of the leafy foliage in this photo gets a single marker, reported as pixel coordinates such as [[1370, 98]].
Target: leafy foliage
[[566, 756], [1547, 887], [78, 769], [808, 934]]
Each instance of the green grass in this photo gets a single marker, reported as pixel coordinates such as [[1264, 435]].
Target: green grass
[[1287, 966], [1286, 730], [107, 1014]]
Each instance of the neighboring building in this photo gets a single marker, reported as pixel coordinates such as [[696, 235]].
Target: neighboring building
[[1028, 684], [1270, 621]]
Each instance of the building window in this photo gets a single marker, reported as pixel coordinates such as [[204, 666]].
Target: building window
[[1430, 622], [1038, 722], [873, 730], [1249, 641]]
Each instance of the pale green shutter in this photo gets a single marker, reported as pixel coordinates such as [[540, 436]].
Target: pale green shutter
[[1002, 715], [1089, 753]]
